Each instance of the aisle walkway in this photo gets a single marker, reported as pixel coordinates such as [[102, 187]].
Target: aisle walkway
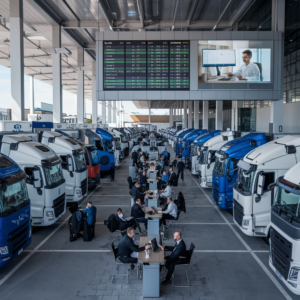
[[226, 265]]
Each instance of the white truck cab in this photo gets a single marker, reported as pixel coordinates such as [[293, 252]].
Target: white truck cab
[[117, 148], [206, 156], [257, 170], [284, 256], [45, 182], [73, 163]]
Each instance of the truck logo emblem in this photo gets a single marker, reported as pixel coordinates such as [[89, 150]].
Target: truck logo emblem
[[59, 126], [18, 220], [18, 126], [39, 118]]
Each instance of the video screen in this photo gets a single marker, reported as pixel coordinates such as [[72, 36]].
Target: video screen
[[233, 61]]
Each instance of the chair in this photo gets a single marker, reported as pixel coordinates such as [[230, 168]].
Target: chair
[[171, 223], [118, 263], [130, 183], [189, 255], [260, 70]]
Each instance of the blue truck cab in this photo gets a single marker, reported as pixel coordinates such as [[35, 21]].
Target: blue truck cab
[[178, 138], [225, 169], [188, 140], [15, 224], [107, 139]]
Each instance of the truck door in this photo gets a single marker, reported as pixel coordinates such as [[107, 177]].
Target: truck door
[[262, 203]]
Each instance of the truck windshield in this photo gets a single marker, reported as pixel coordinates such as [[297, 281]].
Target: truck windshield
[[80, 162], [123, 139], [193, 149], [117, 144], [12, 196], [203, 156], [54, 175], [219, 168], [244, 182], [288, 202]]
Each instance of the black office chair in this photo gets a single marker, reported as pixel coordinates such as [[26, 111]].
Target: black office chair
[[130, 183], [118, 263], [186, 263], [171, 223]]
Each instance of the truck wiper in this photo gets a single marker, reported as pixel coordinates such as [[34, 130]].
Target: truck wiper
[[13, 207]]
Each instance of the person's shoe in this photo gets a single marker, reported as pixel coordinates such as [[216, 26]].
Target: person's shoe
[[166, 282], [132, 267], [166, 227]]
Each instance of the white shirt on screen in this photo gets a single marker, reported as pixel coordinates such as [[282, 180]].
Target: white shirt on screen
[[250, 72]]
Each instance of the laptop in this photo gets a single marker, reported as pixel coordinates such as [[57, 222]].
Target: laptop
[[155, 246], [154, 209]]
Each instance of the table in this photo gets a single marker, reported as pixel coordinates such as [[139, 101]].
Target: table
[[151, 280], [152, 183], [153, 225], [152, 199]]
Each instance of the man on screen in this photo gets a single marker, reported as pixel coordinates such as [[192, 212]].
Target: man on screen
[[248, 70]]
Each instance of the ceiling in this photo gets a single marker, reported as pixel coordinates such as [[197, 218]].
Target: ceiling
[[157, 104], [80, 19]]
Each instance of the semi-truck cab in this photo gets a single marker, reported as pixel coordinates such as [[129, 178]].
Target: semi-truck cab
[[284, 256], [124, 142], [15, 225], [225, 168], [43, 165], [178, 138], [117, 149], [257, 170], [206, 156], [196, 146], [73, 163]]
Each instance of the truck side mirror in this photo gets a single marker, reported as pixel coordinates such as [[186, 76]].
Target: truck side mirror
[[230, 171], [209, 158], [70, 164], [37, 182], [260, 184]]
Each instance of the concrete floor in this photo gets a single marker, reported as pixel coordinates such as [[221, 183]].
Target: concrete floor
[[226, 264]]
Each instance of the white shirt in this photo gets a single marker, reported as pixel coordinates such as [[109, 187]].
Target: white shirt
[[172, 209], [250, 72], [167, 192]]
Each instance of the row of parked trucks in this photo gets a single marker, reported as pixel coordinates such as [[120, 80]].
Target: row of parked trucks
[[258, 179], [43, 166]]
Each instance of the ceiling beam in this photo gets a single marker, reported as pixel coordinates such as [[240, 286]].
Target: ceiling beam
[[222, 14], [141, 11], [107, 15], [245, 5], [175, 13], [193, 9]]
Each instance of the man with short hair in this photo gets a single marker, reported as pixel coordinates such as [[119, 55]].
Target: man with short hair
[[123, 222], [170, 213], [167, 192], [91, 212], [180, 167], [172, 176], [136, 192], [177, 257], [127, 250], [138, 213], [134, 157], [248, 70]]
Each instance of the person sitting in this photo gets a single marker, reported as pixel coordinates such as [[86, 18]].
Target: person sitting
[[136, 192], [162, 180], [146, 155], [127, 250], [91, 212], [134, 157], [165, 154], [177, 257], [167, 192], [165, 177], [172, 177], [138, 213], [161, 162], [170, 213], [123, 222], [143, 178]]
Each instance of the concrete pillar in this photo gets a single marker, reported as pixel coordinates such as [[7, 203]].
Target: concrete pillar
[[103, 112], [114, 112], [205, 115], [234, 116], [219, 115], [190, 118], [185, 123], [196, 114], [80, 85], [17, 59], [171, 117], [31, 94], [109, 112], [149, 117], [94, 95]]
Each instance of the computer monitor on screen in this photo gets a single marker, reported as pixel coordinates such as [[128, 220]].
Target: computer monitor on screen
[[218, 58]]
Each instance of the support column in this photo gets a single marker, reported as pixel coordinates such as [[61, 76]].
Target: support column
[[219, 115], [190, 119], [205, 115], [114, 112], [31, 94], [185, 123], [234, 116], [109, 112], [17, 59], [80, 85], [196, 114], [94, 95], [171, 117], [103, 112]]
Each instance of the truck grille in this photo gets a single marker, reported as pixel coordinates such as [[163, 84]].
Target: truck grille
[[59, 205], [215, 192], [238, 212], [281, 253], [17, 239], [84, 186]]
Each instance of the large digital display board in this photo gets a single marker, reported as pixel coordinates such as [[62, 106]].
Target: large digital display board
[[146, 65]]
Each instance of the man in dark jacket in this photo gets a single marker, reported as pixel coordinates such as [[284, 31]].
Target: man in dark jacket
[[138, 213], [136, 192], [180, 167], [91, 216], [134, 157], [127, 250], [177, 257], [172, 177], [123, 222]]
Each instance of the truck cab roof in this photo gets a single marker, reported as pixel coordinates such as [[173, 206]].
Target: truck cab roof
[[104, 134], [292, 175], [200, 140], [8, 167], [239, 147], [182, 132], [191, 136], [273, 150], [221, 138]]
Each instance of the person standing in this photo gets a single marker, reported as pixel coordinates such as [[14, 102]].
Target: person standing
[[91, 212], [180, 167], [134, 157]]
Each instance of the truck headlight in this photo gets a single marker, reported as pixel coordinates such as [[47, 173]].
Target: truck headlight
[[4, 250], [294, 273], [49, 214], [246, 223], [78, 192]]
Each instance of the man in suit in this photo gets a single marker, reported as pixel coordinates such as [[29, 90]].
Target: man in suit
[[123, 222], [91, 212], [180, 167], [177, 257], [127, 250], [134, 157], [138, 213], [136, 192], [172, 176]]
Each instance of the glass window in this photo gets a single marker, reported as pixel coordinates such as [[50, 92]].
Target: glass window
[[80, 162], [95, 158], [247, 119], [220, 165], [54, 175]]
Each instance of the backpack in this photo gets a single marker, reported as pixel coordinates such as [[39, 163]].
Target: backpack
[[112, 223]]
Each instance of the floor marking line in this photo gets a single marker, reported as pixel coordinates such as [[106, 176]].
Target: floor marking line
[[66, 251], [270, 275]]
